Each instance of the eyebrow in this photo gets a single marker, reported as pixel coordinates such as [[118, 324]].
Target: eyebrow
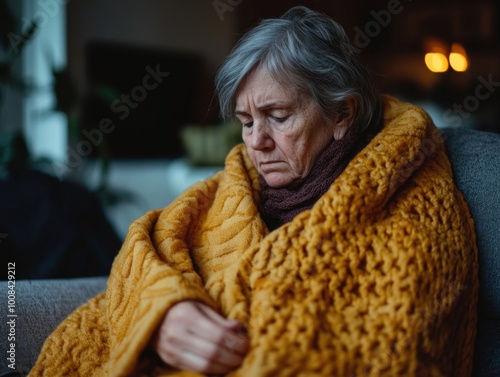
[[266, 106]]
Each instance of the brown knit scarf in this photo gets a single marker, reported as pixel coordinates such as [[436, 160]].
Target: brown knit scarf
[[281, 205]]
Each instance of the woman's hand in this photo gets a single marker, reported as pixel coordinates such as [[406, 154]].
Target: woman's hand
[[194, 337]]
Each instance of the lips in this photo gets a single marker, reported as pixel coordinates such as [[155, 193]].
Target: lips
[[267, 163], [269, 166]]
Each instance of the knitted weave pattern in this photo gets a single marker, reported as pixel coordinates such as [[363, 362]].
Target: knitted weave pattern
[[379, 278]]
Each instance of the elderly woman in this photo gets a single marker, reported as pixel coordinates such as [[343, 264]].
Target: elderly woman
[[333, 243]]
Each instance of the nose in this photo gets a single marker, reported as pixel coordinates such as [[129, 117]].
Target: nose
[[260, 138]]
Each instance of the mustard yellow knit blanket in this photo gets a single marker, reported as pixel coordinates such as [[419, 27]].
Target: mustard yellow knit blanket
[[379, 278]]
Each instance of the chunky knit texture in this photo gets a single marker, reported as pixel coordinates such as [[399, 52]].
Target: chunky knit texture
[[379, 278]]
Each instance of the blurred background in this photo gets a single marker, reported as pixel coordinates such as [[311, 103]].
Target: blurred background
[[107, 108]]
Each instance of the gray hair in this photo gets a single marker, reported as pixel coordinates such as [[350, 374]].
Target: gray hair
[[311, 52]]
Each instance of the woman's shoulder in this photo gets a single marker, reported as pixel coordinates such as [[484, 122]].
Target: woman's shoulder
[[403, 112]]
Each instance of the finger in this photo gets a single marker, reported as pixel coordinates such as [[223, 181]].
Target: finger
[[206, 329], [186, 360], [217, 318], [210, 357], [219, 336], [236, 343], [201, 330], [190, 361], [188, 328], [235, 340], [214, 352]]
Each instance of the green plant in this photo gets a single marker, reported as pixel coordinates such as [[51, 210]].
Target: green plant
[[12, 42], [14, 151]]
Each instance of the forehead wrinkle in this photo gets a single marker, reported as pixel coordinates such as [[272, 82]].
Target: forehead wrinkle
[[266, 101], [280, 104], [265, 92]]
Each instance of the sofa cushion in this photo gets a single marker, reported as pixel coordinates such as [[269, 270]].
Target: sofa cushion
[[40, 306], [475, 159]]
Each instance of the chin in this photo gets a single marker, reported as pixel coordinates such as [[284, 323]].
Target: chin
[[278, 181]]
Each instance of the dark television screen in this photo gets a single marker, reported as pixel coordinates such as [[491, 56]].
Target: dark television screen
[[139, 98]]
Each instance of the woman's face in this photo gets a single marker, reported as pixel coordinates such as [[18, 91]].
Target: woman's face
[[283, 130]]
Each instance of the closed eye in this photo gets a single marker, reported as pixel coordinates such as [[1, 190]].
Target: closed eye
[[280, 119], [248, 124]]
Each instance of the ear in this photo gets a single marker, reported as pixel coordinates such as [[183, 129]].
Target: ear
[[345, 117]]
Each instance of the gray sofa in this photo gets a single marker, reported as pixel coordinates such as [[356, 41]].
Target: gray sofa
[[475, 157]]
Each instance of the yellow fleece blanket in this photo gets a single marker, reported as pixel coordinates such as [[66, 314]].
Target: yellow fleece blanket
[[379, 278]]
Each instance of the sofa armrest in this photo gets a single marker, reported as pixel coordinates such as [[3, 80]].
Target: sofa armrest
[[40, 305]]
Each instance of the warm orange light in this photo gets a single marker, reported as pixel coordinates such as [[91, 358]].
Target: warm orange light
[[458, 58], [436, 62]]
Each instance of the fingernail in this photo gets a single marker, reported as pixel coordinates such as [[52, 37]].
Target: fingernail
[[242, 330]]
